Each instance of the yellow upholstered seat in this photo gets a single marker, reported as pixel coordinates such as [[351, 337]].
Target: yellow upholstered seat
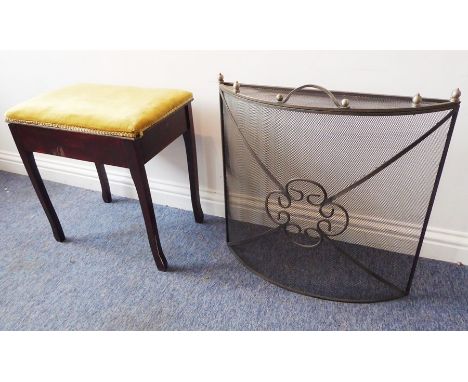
[[100, 109]]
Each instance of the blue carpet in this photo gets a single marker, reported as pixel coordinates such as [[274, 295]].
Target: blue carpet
[[104, 278]]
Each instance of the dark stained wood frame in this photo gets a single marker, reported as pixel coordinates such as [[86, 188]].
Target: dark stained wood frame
[[116, 151]]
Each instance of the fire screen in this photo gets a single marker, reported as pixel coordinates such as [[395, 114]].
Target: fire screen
[[329, 194]]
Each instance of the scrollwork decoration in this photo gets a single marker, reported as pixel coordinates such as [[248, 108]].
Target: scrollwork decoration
[[329, 221]]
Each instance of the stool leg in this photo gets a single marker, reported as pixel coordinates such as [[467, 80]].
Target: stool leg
[[137, 169], [191, 151], [106, 194], [36, 180]]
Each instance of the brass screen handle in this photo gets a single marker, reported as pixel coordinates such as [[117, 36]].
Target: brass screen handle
[[344, 104]]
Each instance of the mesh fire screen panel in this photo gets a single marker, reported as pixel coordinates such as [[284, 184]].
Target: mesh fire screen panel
[[331, 199]]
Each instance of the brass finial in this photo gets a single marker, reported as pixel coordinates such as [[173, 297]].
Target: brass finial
[[279, 97], [455, 95], [221, 78], [417, 100], [236, 87], [345, 103]]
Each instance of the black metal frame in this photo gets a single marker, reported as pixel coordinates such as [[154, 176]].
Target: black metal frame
[[436, 105]]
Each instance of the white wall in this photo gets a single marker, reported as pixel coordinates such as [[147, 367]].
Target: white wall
[[433, 74]]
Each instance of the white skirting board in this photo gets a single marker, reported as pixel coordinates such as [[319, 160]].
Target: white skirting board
[[440, 244]]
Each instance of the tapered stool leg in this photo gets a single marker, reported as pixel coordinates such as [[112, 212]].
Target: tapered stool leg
[[137, 169], [190, 148], [106, 194], [36, 180]]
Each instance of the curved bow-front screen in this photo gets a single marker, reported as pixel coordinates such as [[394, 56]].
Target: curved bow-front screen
[[329, 200]]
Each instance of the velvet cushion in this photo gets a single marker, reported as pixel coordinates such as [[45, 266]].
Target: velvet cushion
[[100, 109]]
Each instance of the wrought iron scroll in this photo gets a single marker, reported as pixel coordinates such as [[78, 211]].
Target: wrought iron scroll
[[316, 229]]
